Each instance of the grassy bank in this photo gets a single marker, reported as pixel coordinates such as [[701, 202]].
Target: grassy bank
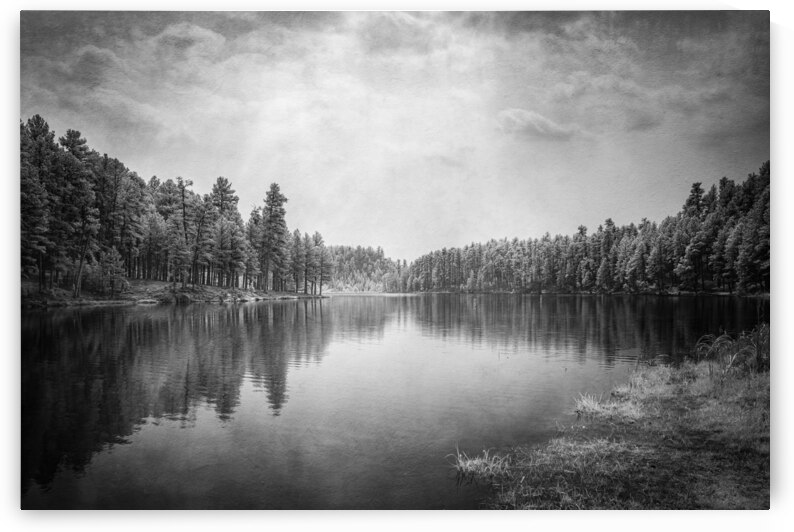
[[150, 292], [689, 437]]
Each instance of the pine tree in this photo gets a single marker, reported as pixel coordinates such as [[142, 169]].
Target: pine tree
[[34, 211], [41, 154], [297, 258], [318, 246], [203, 235], [113, 271], [309, 261], [253, 233], [223, 197], [604, 276], [273, 246], [78, 214], [325, 267], [693, 207]]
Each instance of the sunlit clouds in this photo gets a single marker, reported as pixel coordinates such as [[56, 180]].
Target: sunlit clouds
[[415, 131], [533, 125]]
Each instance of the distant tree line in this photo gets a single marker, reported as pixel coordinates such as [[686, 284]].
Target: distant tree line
[[719, 241], [364, 269], [87, 219]]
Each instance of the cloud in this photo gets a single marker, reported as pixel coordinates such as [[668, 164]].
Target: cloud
[[534, 125], [84, 69], [642, 119], [381, 104], [94, 65], [188, 39], [581, 83], [389, 32]]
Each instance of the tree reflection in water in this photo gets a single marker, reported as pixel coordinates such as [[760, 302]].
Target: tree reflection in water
[[92, 377]]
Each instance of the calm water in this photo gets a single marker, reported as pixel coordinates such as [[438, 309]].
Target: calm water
[[348, 402]]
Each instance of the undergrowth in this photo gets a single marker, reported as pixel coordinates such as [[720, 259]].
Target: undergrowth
[[748, 352]]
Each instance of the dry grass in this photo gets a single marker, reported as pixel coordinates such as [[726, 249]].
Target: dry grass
[[748, 352], [485, 466], [690, 437], [569, 474], [590, 406]]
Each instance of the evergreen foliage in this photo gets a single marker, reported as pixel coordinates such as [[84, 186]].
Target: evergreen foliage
[[85, 217], [719, 241], [359, 269]]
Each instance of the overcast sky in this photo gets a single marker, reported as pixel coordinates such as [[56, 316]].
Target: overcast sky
[[415, 131]]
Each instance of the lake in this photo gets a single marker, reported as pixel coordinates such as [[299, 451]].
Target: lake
[[347, 402]]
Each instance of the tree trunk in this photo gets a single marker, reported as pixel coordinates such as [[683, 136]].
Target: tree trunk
[[41, 271], [79, 281]]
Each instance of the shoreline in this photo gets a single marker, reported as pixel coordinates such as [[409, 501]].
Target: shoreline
[[759, 295], [762, 295], [696, 436], [155, 293], [162, 293]]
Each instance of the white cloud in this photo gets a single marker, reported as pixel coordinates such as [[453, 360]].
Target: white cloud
[[535, 125]]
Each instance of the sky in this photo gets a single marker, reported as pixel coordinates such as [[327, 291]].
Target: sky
[[415, 131]]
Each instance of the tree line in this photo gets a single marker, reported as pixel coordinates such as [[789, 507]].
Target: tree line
[[719, 241], [364, 269], [86, 219]]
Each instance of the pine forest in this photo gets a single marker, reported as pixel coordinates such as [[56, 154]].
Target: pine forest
[[89, 222]]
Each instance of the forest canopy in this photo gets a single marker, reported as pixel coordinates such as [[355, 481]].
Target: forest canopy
[[718, 241], [88, 220]]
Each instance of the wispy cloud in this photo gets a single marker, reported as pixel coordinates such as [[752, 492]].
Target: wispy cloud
[[534, 125], [637, 119]]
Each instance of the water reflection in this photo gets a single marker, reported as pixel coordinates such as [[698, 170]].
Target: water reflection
[[605, 326], [91, 378]]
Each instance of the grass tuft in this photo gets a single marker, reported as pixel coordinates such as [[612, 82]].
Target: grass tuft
[[485, 466], [694, 436], [590, 406], [747, 353]]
